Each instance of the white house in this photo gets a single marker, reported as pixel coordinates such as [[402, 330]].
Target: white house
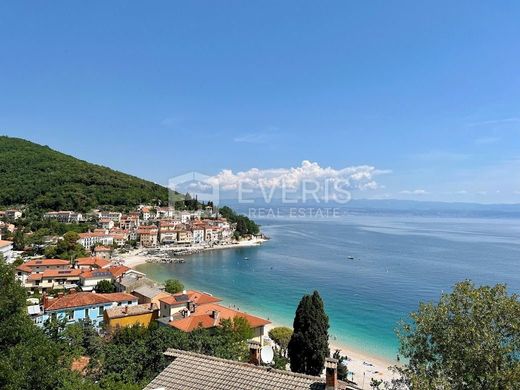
[[6, 250]]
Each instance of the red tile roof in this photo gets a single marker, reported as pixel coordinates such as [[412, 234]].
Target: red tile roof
[[118, 270], [102, 249], [194, 296], [5, 243], [55, 273], [81, 299], [45, 262], [202, 317], [92, 261]]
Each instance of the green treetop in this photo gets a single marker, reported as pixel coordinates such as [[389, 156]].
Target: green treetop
[[470, 339], [309, 344]]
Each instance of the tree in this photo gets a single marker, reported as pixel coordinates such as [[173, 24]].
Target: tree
[[28, 359], [470, 339], [68, 247], [281, 335], [342, 367], [309, 344], [173, 286], [375, 383], [105, 286]]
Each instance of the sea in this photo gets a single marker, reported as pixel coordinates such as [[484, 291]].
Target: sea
[[371, 267]]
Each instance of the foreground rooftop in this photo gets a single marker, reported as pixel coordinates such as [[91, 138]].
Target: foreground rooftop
[[193, 371]]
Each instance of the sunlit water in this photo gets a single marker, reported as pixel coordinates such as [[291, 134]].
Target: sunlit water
[[398, 261]]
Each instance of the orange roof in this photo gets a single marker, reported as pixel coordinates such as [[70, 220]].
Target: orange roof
[[55, 273], [24, 268], [81, 299], [92, 261], [118, 270], [194, 296], [45, 262], [97, 273], [5, 243], [202, 317]]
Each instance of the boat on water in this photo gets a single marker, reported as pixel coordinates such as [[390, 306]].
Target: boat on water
[[350, 257], [246, 258]]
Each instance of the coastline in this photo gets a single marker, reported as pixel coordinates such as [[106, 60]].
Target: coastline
[[139, 256], [362, 364]]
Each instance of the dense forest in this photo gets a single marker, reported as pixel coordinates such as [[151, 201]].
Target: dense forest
[[42, 178]]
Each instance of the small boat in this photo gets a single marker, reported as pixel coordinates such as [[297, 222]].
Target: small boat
[[350, 257], [246, 258]]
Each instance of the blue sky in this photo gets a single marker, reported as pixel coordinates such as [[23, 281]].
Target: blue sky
[[428, 92]]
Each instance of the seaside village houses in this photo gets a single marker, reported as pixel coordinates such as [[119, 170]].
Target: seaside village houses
[[65, 289]]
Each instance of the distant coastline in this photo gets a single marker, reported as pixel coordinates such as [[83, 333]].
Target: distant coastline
[[140, 256]]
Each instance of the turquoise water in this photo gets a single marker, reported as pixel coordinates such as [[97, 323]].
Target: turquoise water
[[399, 260]]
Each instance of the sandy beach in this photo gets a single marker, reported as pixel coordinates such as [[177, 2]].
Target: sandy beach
[[139, 256], [363, 366]]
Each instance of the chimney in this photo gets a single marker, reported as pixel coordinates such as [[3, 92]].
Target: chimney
[[331, 374], [215, 315], [254, 352]]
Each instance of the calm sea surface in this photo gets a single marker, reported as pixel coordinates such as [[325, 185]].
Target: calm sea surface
[[399, 260]]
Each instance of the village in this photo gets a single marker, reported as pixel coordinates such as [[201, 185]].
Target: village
[[67, 289]]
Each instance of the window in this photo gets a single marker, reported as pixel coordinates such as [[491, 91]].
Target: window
[[100, 311], [86, 313], [129, 302], [70, 314]]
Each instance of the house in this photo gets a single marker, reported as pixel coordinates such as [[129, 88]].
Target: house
[[88, 240], [148, 236], [197, 234], [6, 250], [174, 303], [11, 214], [90, 263], [90, 279], [76, 306], [53, 279], [112, 215], [146, 294], [184, 236], [147, 213], [106, 223], [194, 371], [103, 252], [165, 212], [118, 271], [38, 266], [132, 280], [122, 316], [35, 314], [192, 309], [211, 315], [64, 216]]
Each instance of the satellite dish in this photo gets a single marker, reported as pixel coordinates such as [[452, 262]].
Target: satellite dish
[[267, 354]]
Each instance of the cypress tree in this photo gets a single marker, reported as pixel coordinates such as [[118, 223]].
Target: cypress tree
[[309, 345]]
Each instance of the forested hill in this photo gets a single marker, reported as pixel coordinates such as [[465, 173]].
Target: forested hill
[[37, 176]]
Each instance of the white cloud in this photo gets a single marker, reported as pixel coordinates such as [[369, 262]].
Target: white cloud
[[414, 192], [355, 177]]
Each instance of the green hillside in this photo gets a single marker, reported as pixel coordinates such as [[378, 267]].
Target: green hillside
[[37, 176]]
